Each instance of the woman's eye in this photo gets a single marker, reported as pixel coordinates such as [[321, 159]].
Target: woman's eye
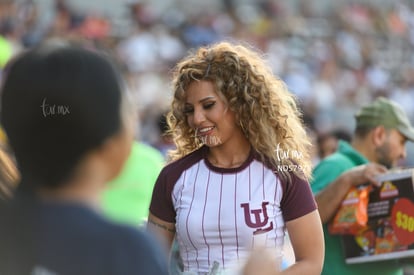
[[188, 110], [209, 105]]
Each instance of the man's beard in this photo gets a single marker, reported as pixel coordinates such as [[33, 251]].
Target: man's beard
[[383, 155]]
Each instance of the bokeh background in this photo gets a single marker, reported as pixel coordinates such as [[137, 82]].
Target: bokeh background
[[334, 55]]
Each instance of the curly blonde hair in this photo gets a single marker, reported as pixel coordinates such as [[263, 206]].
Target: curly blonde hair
[[265, 110], [9, 175]]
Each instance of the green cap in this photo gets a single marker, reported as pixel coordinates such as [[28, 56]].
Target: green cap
[[386, 113]]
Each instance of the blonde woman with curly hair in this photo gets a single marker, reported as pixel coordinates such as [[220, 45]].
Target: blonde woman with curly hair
[[238, 178]]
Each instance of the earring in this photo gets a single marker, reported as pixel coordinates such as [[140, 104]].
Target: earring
[[246, 134]]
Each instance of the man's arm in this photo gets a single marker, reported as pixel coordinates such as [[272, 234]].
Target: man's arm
[[330, 198]]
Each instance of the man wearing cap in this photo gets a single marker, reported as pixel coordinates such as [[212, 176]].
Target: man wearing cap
[[378, 143]]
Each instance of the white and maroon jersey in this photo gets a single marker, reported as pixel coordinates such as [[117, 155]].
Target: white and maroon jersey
[[222, 213]]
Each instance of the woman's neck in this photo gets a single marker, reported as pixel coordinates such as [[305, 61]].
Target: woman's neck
[[230, 156]]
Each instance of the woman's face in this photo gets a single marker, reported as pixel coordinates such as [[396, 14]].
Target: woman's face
[[208, 114]]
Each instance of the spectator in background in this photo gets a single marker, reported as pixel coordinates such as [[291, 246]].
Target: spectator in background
[[165, 142], [327, 143], [231, 118], [382, 129], [70, 135]]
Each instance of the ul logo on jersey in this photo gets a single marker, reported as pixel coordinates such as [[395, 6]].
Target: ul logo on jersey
[[260, 218]]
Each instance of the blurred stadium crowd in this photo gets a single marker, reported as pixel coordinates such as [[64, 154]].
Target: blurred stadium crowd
[[334, 59]]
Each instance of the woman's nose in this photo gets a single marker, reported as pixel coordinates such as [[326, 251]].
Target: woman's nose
[[198, 117]]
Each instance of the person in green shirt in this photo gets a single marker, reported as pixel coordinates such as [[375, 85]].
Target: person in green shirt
[[127, 197], [378, 143]]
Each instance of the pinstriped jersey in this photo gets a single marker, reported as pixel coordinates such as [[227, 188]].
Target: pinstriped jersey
[[221, 214]]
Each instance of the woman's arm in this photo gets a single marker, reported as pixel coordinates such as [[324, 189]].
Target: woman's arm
[[162, 230], [306, 237]]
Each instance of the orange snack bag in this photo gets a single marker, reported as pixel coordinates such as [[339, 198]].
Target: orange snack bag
[[352, 215]]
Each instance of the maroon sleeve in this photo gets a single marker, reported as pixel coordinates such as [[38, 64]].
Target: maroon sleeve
[[298, 199], [161, 204]]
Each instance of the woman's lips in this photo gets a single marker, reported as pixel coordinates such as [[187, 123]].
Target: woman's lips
[[204, 131]]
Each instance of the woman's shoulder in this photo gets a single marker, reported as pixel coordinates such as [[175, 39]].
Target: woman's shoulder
[[185, 162]]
